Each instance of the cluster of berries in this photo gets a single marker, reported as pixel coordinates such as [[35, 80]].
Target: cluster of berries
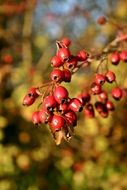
[[116, 57], [57, 108]]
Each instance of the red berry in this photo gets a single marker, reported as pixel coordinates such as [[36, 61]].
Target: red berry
[[7, 58], [45, 116], [84, 98], [123, 55], [99, 78], [95, 88], [64, 53], [110, 76], [75, 105], [35, 118], [28, 100], [56, 61], [117, 93], [71, 63], [71, 118], [57, 75], [101, 20], [67, 75], [82, 55], [66, 41], [63, 108], [115, 58], [100, 107], [57, 123], [49, 103], [89, 110], [61, 94], [103, 96], [110, 105]]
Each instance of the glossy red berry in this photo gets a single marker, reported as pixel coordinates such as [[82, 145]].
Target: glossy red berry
[[63, 108], [123, 55], [28, 100], [99, 78], [71, 118], [115, 58], [82, 55], [56, 61], [57, 75], [103, 96], [64, 53], [66, 41], [84, 98], [71, 63], [100, 107], [95, 88], [109, 105], [61, 94], [45, 116], [35, 118], [89, 111], [57, 123], [49, 103], [117, 93], [75, 105], [110, 76], [67, 75], [33, 92]]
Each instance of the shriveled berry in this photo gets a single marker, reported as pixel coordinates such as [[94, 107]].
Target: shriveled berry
[[82, 55], [95, 88], [67, 75], [84, 98], [45, 116], [75, 105], [57, 75], [57, 123], [123, 56], [64, 53], [35, 118], [61, 94], [117, 93], [110, 76], [89, 111], [115, 58], [66, 41], [99, 78], [49, 103], [71, 118], [56, 61]]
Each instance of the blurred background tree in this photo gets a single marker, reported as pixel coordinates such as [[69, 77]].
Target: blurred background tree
[[96, 157]]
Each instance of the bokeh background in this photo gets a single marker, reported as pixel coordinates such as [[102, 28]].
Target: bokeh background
[[96, 157]]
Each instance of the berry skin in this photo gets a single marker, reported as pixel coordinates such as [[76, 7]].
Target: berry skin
[[103, 96], [84, 98], [33, 92], [110, 76], [71, 63], [57, 123], [35, 118], [71, 118], [82, 55], [49, 103], [115, 58], [110, 105], [56, 61], [30, 97], [100, 107], [123, 56], [45, 116], [57, 75], [116, 93], [64, 53], [63, 108], [89, 111], [75, 105], [61, 94], [95, 88], [99, 78], [66, 41], [67, 75]]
